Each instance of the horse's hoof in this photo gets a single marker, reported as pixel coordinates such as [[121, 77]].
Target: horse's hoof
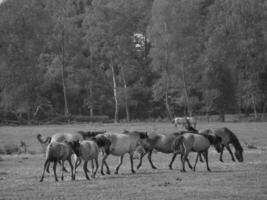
[[102, 173], [133, 171], [182, 170], [194, 169], [170, 167], [62, 178], [221, 160], [56, 180], [233, 160], [108, 172], [209, 170], [116, 172], [154, 167], [41, 180], [138, 166]]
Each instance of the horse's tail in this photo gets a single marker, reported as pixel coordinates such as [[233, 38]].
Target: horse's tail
[[233, 138], [46, 141], [177, 145]]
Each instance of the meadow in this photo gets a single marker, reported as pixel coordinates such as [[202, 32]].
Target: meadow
[[20, 173]]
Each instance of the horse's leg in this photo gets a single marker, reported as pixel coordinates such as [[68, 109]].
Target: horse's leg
[[85, 169], [71, 168], [54, 169], [194, 169], [76, 164], [205, 153], [45, 168], [92, 166], [221, 154], [184, 158], [118, 167], [172, 160], [150, 160], [62, 170], [200, 158], [131, 160], [96, 164], [230, 151], [141, 159], [102, 165], [189, 164]]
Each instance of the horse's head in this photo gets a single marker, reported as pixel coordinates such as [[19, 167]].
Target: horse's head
[[143, 135], [239, 154], [102, 141], [75, 145]]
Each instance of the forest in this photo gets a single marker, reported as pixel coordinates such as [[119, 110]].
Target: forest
[[123, 60]]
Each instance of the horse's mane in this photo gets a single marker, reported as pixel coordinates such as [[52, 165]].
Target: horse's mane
[[209, 137], [234, 139]]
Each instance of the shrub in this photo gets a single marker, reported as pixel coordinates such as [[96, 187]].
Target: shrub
[[11, 148]]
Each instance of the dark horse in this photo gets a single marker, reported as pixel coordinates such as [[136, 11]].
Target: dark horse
[[162, 143], [228, 137]]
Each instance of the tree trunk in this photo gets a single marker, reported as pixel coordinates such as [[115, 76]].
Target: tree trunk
[[254, 106], [125, 95], [114, 92], [188, 107], [222, 116], [91, 84], [91, 99], [66, 108]]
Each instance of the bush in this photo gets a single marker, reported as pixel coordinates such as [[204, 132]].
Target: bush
[[2, 151], [11, 148]]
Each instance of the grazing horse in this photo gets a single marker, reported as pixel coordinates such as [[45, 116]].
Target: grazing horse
[[228, 137], [185, 121], [190, 142], [120, 144], [162, 143]]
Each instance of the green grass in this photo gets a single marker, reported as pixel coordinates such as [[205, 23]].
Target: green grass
[[19, 174]]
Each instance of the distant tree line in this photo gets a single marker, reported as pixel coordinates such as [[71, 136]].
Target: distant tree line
[[132, 59]]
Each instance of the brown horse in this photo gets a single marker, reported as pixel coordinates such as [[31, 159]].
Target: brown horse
[[162, 143], [190, 142], [119, 144], [228, 137]]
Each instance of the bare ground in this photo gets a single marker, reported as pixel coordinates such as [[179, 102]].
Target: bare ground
[[20, 174]]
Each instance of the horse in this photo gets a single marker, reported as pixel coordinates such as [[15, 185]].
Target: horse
[[228, 137], [55, 152], [90, 134], [185, 121], [190, 142], [162, 143], [86, 150], [59, 137], [119, 144]]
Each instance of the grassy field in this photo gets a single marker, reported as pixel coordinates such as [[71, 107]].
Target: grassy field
[[20, 174]]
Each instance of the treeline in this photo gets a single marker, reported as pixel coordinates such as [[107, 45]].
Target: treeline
[[132, 59]]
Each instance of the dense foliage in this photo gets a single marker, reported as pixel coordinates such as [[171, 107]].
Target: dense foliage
[[132, 59]]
